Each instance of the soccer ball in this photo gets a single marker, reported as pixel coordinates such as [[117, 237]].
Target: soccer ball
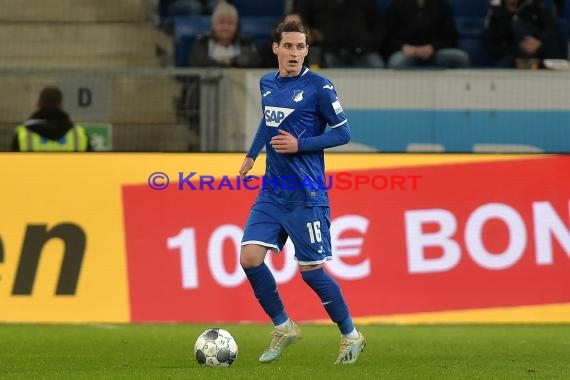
[[216, 348]]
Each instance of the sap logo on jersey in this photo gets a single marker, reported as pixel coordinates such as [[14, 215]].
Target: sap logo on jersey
[[274, 116]]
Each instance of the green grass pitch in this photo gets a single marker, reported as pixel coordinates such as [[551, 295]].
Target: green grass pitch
[[393, 352]]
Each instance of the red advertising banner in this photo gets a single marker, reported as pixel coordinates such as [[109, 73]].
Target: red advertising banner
[[406, 240]]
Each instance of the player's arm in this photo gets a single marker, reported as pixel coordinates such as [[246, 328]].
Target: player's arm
[[256, 146], [330, 109], [285, 142], [336, 136]]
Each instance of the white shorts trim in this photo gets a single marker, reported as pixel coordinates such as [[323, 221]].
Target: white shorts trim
[[273, 247], [316, 262]]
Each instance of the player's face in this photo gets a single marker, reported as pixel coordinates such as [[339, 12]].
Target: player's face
[[291, 53]]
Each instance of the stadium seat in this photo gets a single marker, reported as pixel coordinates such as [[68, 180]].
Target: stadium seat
[[477, 51], [258, 28], [186, 29], [274, 8], [472, 40], [469, 8], [472, 27]]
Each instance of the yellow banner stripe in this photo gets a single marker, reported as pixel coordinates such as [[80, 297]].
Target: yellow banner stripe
[[556, 313]]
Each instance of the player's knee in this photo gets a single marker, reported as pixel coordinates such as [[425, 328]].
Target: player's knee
[[250, 257], [246, 262]]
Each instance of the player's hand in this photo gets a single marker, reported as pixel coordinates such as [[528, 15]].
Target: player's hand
[[246, 167], [284, 142]]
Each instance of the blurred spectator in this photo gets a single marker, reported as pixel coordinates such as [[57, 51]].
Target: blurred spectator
[[349, 32], [422, 33], [224, 46], [269, 59], [520, 30], [50, 129]]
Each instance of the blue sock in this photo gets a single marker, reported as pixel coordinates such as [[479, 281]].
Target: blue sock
[[265, 289], [331, 297]]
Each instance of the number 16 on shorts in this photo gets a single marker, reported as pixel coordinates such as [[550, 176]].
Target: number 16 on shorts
[[315, 231]]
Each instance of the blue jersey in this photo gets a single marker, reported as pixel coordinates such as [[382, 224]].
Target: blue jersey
[[302, 105]]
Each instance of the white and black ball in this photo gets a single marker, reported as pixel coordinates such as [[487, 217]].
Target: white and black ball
[[216, 347]]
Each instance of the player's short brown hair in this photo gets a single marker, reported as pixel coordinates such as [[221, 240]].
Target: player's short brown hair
[[291, 26]]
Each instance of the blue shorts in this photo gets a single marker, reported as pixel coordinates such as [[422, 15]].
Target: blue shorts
[[270, 225]]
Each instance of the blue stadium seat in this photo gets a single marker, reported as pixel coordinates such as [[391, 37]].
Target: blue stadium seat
[[472, 40], [477, 51], [258, 28], [260, 7], [472, 27], [186, 29], [469, 8]]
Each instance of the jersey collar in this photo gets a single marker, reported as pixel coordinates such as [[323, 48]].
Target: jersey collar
[[304, 70]]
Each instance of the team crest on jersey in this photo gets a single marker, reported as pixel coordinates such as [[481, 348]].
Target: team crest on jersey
[[274, 116], [297, 95]]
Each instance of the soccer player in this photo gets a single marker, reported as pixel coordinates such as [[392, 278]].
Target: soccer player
[[297, 106]]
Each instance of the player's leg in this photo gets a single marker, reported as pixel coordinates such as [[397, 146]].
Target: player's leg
[[312, 248], [352, 341], [263, 232], [262, 282]]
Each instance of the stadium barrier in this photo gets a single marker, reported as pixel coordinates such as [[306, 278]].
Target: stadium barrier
[[478, 238], [216, 110]]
